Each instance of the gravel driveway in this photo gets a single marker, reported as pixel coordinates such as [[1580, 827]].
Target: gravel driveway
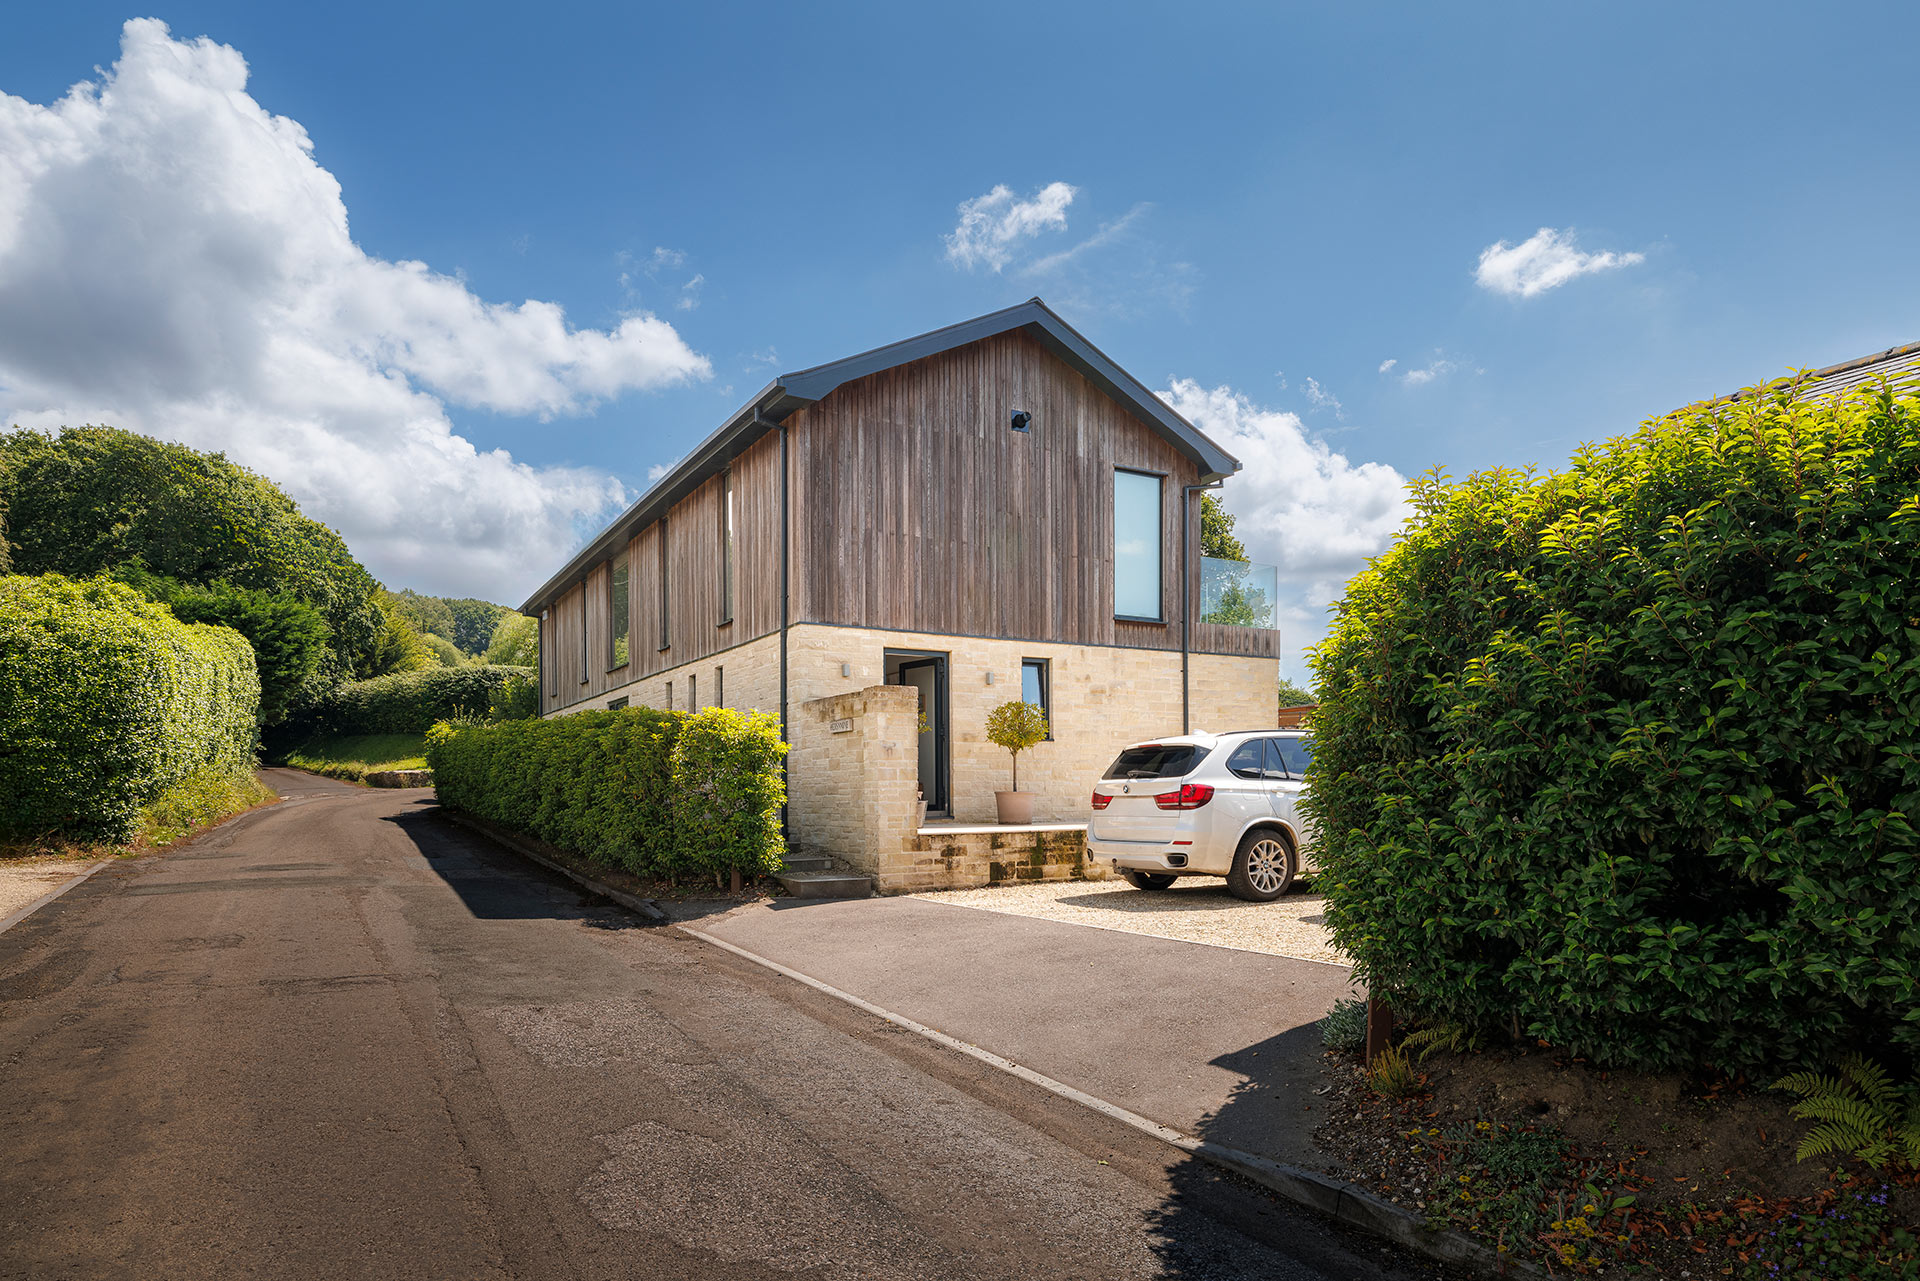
[[1194, 910]]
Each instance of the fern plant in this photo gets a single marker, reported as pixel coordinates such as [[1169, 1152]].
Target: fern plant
[[1450, 1037], [1858, 1110]]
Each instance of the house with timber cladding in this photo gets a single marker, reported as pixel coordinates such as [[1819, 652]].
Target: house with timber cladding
[[880, 550]]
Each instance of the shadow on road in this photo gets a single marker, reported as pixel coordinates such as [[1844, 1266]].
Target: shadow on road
[[498, 885], [1272, 1113]]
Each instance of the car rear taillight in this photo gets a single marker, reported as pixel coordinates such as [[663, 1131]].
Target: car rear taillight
[[1101, 802], [1191, 796]]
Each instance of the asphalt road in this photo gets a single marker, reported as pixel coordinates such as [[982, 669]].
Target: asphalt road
[[340, 1037]]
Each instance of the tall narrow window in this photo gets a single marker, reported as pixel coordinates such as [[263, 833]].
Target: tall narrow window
[[719, 687], [726, 546], [1136, 545], [693, 692], [584, 633], [666, 632], [1034, 689], [549, 682], [669, 695], [619, 602]]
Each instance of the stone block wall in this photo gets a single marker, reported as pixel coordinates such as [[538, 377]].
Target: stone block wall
[[937, 860], [852, 785], [1103, 698]]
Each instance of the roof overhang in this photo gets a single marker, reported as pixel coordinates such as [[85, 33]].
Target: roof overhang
[[789, 393]]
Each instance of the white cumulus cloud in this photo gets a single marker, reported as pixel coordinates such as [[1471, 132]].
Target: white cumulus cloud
[[1316, 515], [174, 260], [1545, 260], [992, 227]]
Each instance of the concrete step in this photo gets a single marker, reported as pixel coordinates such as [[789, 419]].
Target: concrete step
[[808, 863], [826, 884]]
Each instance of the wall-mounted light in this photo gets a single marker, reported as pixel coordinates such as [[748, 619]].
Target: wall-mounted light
[[989, 678], [1022, 420], [846, 669]]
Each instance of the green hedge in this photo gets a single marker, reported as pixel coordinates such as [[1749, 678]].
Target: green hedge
[[656, 793], [106, 700], [1629, 757], [410, 702]]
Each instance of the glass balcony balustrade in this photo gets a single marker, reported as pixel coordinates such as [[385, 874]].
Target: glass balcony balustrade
[[1237, 592]]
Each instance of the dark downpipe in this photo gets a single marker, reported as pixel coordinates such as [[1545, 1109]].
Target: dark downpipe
[[1186, 598], [786, 559]]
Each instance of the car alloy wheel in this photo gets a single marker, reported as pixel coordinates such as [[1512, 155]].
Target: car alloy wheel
[[1262, 866], [1267, 866]]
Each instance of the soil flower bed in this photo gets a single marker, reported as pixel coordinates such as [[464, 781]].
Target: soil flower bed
[[1582, 1172]]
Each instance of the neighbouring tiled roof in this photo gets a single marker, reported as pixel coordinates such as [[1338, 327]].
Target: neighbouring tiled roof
[[1895, 364]]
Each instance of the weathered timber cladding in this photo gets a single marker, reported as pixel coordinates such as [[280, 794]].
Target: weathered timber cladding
[[695, 629], [917, 508]]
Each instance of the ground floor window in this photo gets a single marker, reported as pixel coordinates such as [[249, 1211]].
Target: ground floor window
[[615, 704], [1036, 687], [719, 687], [669, 695], [693, 692]]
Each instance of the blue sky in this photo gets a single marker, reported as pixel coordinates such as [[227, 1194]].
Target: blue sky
[[1267, 204]]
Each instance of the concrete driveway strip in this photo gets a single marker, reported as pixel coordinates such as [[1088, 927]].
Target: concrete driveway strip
[[1216, 1043], [341, 1037]]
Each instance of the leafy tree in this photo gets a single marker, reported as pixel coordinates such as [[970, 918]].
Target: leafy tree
[[443, 651], [396, 647], [1016, 726], [466, 622], [90, 500], [1292, 695], [516, 641], [1216, 531], [289, 637], [428, 614], [473, 623]]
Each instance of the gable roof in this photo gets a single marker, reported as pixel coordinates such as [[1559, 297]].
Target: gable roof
[[792, 392]]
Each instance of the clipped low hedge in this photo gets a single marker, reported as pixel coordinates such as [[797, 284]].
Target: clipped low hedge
[[106, 700], [410, 702], [1628, 758], [657, 793]]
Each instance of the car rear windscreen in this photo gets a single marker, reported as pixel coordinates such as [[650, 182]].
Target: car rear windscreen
[[1170, 760]]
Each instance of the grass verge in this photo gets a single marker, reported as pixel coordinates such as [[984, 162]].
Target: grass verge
[[203, 799], [354, 756]]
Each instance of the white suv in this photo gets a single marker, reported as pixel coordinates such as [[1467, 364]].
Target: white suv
[[1206, 805]]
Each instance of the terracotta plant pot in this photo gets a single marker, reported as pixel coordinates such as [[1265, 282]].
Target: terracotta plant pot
[[1015, 807]]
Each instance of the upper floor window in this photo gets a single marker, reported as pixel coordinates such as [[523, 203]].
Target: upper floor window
[[586, 636], [726, 546], [666, 632], [619, 603], [1136, 545]]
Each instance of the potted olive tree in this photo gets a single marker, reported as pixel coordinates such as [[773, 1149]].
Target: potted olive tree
[[1016, 726]]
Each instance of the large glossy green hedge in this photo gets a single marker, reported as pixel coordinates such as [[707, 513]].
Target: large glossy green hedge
[[105, 700], [657, 793], [1629, 757], [409, 702]]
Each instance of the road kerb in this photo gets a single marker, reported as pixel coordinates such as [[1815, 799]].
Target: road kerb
[[1345, 1202], [7, 923]]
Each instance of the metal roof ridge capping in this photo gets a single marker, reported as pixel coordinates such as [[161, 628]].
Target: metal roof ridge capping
[[791, 392]]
